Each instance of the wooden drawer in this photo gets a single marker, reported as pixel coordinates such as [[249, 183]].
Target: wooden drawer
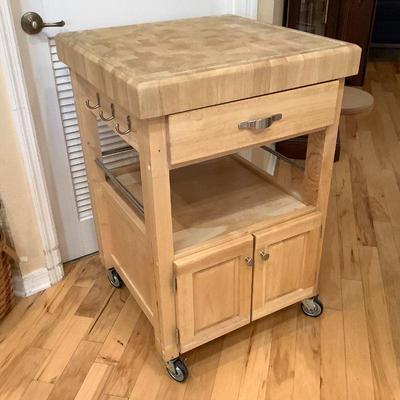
[[285, 264], [213, 294], [210, 131]]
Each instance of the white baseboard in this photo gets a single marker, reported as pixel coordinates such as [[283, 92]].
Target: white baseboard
[[31, 283]]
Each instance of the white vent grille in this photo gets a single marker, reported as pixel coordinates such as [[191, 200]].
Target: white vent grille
[[108, 139]]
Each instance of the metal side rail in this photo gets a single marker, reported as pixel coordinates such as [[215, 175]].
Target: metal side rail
[[282, 157], [126, 193], [124, 149]]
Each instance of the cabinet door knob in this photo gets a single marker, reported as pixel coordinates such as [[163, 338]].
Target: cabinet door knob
[[264, 255], [249, 261]]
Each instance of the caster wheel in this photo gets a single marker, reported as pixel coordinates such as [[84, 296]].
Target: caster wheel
[[177, 370], [114, 278], [312, 307]]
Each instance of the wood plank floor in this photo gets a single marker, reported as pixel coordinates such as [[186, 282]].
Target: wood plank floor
[[83, 340]]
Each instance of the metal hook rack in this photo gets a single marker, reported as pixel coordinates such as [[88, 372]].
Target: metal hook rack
[[111, 117], [128, 121], [117, 126], [96, 106]]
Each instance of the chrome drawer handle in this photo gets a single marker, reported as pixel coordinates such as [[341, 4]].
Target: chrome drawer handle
[[260, 123]]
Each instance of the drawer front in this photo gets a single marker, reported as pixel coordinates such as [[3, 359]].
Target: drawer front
[[286, 264], [213, 292], [206, 132]]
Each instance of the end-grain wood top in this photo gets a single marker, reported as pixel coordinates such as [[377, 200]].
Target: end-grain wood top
[[168, 67]]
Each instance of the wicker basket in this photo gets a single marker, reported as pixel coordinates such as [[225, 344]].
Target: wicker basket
[[7, 257]]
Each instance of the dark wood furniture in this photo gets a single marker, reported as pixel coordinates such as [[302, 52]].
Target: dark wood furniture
[[387, 24], [347, 20], [296, 148]]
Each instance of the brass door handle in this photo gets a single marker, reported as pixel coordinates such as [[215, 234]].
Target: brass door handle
[[32, 23], [260, 123]]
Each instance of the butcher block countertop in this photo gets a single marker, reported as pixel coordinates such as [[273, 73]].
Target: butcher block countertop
[[163, 68]]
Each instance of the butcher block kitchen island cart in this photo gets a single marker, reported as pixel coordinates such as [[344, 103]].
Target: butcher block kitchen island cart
[[205, 240]]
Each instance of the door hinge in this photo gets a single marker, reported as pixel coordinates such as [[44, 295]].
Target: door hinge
[[321, 231], [174, 284], [177, 336]]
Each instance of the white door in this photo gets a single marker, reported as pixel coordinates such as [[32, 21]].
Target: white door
[[53, 104]]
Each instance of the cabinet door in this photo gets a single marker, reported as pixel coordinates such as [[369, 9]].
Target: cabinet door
[[286, 264], [213, 291]]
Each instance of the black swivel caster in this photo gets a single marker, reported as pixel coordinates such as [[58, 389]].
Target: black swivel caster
[[177, 370], [114, 278], [312, 307]]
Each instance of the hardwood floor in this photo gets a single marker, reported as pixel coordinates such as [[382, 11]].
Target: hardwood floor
[[83, 340]]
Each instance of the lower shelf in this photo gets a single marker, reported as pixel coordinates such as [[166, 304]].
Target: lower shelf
[[215, 198]]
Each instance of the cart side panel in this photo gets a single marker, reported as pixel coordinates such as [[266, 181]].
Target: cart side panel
[[129, 250]]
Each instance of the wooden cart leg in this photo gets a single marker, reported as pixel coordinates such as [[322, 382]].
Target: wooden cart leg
[[91, 150], [318, 169], [158, 219]]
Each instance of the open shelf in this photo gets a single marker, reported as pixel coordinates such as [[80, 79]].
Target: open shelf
[[214, 198]]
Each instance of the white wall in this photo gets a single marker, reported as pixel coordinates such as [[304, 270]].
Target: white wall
[[270, 11], [120, 12], [15, 191], [245, 8]]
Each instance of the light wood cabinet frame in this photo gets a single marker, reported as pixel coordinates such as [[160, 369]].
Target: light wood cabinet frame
[[175, 281], [188, 248]]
